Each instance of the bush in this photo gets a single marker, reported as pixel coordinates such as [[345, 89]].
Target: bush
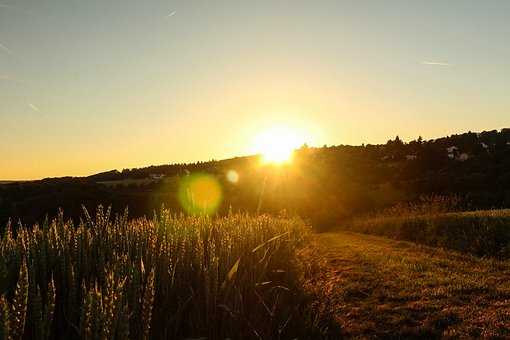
[[482, 233]]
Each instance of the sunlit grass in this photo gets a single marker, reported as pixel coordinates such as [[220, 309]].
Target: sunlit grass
[[168, 277], [478, 232], [380, 288]]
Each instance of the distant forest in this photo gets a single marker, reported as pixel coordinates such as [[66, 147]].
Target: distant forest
[[324, 185]]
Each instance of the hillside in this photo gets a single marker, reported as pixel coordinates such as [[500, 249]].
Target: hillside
[[324, 185]]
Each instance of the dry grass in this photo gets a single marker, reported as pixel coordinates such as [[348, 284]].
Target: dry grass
[[380, 288]]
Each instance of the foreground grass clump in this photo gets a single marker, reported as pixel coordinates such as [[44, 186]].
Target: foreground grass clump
[[164, 278], [482, 233]]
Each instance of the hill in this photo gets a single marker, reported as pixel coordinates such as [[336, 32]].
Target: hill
[[325, 184]]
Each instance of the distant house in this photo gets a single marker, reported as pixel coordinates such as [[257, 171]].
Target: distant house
[[156, 176], [453, 152], [452, 149], [411, 157], [463, 157], [485, 146]]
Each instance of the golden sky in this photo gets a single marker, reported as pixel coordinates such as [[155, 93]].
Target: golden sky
[[89, 86]]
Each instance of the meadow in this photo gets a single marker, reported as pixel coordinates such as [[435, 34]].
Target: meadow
[[481, 233], [378, 288], [258, 277], [168, 277]]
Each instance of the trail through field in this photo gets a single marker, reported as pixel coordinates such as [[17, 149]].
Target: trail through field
[[376, 287]]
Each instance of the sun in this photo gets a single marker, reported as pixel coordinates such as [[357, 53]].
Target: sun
[[277, 144]]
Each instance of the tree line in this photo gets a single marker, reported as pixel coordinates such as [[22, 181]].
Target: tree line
[[324, 185]]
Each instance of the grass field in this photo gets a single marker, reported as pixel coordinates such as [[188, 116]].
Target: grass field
[[482, 233], [165, 278], [381, 288], [242, 277]]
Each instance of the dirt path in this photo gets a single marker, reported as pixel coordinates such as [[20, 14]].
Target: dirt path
[[376, 287]]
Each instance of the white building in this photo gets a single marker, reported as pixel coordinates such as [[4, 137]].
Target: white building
[[463, 157], [452, 149]]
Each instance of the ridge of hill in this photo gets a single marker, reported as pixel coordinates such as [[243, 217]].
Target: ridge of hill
[[459, 147], [322, 184]]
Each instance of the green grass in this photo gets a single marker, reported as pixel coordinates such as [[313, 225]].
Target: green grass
[[482, 233], [377, 288], [169, 277]]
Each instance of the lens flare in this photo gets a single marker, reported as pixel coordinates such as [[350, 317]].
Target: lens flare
[[200, 194], [232, 176]]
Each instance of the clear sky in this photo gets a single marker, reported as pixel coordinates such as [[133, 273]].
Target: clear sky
[[93, 85]]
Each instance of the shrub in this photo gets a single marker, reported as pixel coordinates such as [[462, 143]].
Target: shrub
[[482, 233]]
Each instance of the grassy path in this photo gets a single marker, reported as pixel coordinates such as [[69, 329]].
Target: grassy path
[[377, 287]]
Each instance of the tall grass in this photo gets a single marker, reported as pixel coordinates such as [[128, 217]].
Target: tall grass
[[482, 233], [424, 205], [168, 277]]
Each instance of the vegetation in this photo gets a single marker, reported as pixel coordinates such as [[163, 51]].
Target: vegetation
[[325, 185], [378, 288], [241, 277], [163, 278], [482, 233]]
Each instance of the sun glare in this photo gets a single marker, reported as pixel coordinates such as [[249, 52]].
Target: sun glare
[[277, 144]]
